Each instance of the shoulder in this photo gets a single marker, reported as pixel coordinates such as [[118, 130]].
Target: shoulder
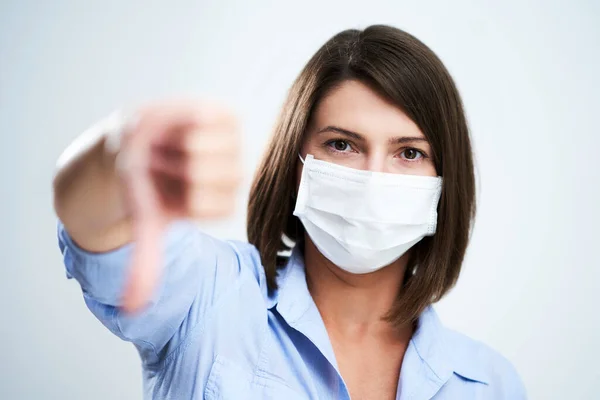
[[474, 360], [249, 262], [248, 256]]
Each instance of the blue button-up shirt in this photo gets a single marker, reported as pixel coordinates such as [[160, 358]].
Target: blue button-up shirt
[[213, 331]]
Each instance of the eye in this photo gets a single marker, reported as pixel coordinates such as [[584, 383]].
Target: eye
[[339, 145], [412, 154]]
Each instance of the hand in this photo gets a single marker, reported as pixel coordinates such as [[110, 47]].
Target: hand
[[177, 160]]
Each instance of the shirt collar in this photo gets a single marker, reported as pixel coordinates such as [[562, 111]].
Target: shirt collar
[[440, 351], [294, 303]]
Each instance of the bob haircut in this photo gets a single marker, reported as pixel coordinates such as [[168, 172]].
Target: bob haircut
[[407, 73]]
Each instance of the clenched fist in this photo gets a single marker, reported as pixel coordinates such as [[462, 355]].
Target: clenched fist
[[176, 160]]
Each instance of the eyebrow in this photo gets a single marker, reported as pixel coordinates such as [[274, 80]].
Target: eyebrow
[[358, 136]]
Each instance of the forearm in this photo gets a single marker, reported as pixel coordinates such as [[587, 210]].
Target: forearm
[[88, 195]]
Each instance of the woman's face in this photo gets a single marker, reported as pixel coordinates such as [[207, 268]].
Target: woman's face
[[355, 127]]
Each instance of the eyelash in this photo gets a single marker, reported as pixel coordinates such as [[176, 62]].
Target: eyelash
[[330, 147]]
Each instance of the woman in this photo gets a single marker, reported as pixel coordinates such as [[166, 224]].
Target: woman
[[368, 180]]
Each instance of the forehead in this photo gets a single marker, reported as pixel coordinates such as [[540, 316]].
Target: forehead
[[354, 106]]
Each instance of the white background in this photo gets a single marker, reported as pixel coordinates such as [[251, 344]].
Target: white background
[[529, 75]]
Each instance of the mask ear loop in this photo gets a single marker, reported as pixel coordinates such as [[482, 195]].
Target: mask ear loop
[[297, 222], [294, 195]]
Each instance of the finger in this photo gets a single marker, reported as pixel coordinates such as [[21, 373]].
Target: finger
[[145, 209], [205, 204], [183, 116], [147, 224], [144, 272], [212, 142], [183, 148], [216, 171]]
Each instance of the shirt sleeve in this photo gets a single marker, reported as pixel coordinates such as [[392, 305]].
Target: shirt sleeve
[[505, 381], [191, 283], [513, 385]]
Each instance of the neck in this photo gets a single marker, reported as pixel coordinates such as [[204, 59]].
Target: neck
[[355, 305]]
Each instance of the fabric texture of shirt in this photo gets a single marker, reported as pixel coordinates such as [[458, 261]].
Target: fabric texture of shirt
[[213, 330]]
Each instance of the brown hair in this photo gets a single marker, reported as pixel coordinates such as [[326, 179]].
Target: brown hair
[[406, 72]]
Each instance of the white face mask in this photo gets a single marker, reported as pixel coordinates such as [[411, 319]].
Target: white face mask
[[363, 220]]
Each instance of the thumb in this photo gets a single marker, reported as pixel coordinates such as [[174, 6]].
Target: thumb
[[148, 225]]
